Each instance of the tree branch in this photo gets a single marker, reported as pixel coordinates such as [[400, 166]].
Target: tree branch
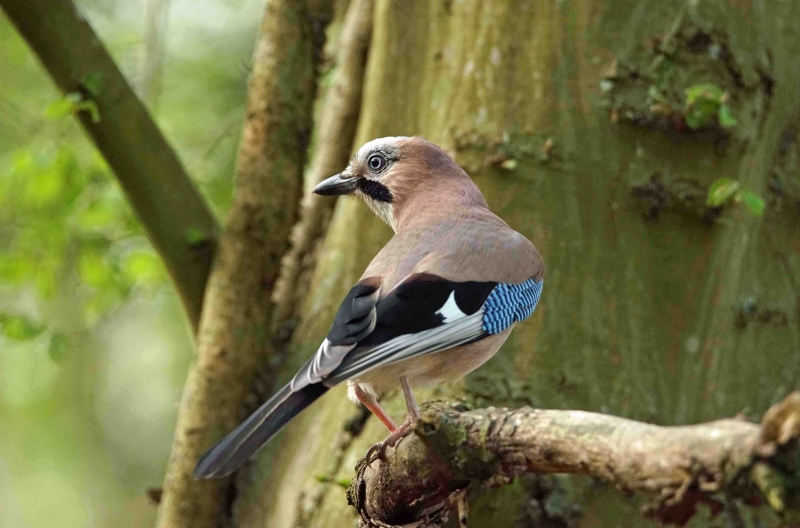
[[177, 220], [681, 467], [335, 136], [235, 338]]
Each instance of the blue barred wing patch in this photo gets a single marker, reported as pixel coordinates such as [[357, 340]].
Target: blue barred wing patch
[[509, 303]]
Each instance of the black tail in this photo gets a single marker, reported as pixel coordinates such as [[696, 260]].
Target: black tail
[[235, 449]]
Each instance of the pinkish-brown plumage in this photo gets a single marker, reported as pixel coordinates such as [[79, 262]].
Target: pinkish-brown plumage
[[434, 304], [443, 226]]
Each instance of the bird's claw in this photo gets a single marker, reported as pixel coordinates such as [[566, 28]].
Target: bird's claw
[[390, 441], [381, 450]]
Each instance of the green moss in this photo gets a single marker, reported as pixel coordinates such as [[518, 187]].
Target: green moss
[[689, 82], [531, 500], [441, 433], [448, 437]]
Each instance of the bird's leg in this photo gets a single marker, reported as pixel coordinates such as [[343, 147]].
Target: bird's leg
[[371, 402], [399, 432], [411, 417], [411, 402]]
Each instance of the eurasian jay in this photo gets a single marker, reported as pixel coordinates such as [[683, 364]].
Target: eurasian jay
[[435, 303]]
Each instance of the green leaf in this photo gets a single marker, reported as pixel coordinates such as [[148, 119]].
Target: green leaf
[[144, 267], [97, 214], [695, 120], [93, 83], [19, 327], [721, 191], [327, 479], [195, 236], [13, 269], [726, 119], [704, 101], [753, 202], [46, 283], [704, 91], [91, 107], [700, 113], [45, 188], [59, 344], [72, 103], [58, 109], [93, 269]]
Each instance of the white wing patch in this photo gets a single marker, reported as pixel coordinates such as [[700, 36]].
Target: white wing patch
[[450, 311], [325, 361]]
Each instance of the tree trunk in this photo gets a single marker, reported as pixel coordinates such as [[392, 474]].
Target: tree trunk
[[572, 119], [235, 338]]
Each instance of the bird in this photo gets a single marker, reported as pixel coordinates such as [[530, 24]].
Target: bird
[[436, 302]]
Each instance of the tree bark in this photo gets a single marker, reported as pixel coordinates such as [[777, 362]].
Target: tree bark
[[177, 220], [451, 449], [334, 142], [669, 317], [235, 338]]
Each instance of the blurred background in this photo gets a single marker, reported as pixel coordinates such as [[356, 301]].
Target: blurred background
[[94, 348]]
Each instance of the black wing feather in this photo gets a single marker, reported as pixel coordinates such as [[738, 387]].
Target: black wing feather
[[363, 322], [354, 319], [239, 445], [412, 306]]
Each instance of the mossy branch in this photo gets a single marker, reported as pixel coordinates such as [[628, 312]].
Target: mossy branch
[[679, 468], [177, 220]]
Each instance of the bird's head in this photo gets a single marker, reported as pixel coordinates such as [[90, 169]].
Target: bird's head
[[398, 176]]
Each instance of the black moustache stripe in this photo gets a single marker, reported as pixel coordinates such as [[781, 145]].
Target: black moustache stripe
[[375, 190]]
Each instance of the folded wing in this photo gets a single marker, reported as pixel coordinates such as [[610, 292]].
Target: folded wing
[[423, 314]]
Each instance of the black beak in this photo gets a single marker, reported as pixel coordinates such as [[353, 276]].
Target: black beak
[[336, 185]]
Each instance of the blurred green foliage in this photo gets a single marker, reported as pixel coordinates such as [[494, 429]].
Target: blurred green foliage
[[93, 344], [72, 104], [61, 212], [725, 190], [703, 103]]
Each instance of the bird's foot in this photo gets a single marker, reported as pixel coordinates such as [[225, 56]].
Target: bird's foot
[[390, 441]]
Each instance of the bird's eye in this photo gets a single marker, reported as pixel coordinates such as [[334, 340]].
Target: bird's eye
[[376, 163]]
